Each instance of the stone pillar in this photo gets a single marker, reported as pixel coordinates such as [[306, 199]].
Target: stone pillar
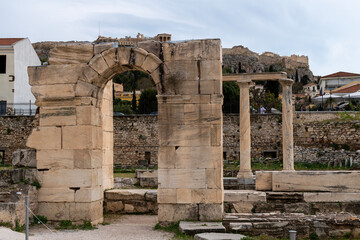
[[245, 139], [287, 125], [190, 133]]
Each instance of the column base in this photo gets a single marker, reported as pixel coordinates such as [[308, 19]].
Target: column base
[[245, 174]]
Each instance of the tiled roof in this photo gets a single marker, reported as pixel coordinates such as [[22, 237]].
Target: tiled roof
[[350, 89], [341, 74], [9, 41]]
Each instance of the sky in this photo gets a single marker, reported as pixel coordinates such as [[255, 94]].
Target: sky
[[327, 31]]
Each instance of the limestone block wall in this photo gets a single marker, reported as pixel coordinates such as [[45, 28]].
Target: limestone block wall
[[190, 133]]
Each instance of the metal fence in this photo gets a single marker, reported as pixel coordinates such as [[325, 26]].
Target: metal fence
[[12, 109]]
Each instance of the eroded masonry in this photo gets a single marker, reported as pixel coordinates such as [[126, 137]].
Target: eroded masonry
[[74, 140]]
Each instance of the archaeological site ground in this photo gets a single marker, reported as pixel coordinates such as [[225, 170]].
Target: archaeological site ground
[[67, 165]]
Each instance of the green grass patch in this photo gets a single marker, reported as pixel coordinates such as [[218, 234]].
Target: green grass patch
[[6, 224], [174, 228], [298, 166], [125, 174], [19, 228], [67, 225]]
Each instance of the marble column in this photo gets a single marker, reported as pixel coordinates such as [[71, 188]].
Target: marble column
[[287, 125], [245, 139]]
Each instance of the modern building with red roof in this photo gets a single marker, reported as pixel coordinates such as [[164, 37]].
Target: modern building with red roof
[[335, 80], [16, 54]]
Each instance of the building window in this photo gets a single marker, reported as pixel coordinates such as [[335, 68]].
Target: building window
[[2, 64]]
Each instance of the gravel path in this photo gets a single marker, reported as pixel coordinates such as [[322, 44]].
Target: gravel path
[[126, 227]]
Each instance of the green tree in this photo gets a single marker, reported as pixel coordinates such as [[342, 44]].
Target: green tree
[[272, 86], [231, 97], [264, 98], [148, 101]]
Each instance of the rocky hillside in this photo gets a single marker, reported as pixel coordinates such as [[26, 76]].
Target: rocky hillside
[[240, 59]]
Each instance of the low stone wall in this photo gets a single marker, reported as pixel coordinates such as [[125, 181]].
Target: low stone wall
[[15, 184], [14, 132], [136, 137], [131, 201]]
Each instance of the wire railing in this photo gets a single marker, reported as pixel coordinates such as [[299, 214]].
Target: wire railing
[[16, 109]]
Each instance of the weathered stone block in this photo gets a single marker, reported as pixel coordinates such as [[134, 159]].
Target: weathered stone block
[[81, 137], [218, 236], [66, 178], [54, 92], [189, 157], [89, 75], [183, 195], [55, 159], [176, 72], [167, 195], [87, 115], [139, 56], [247, 195], [85, 159], [54, 211], [210, 212], [125, 194], [206, 195], [71, 54], [214, 178], [329, 181], [151, 47], [92, 212], [89, 194], [110, 57], [210, 87], [24, 158], [182, 178], [331, 197], [192, 228], [151, 63], [124, 55], [184, 135], [98, 64], [216, 135], [57, 116], [84, 89], [211, 70], [54, 74], [209, 49], [202, 114], [177, 212], [114, 206], [263, 181], [45, 138], [56, 195], [99, 48]]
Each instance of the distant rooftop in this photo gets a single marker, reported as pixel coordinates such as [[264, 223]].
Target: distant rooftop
[[9, 41], [341, 74], [349, 88]]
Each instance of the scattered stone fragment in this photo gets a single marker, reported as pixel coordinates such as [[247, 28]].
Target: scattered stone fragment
[[192, 228]]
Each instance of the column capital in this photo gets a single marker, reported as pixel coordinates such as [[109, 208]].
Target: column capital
[[244, 83], [286, 81]]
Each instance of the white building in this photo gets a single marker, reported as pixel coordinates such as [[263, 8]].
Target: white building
[[336, 80], [311, 89], [16, 54]]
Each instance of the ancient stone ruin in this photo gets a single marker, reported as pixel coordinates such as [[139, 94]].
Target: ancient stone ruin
[[74, 140]]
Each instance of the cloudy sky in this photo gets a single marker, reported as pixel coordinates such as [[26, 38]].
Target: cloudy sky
[[325, 30]]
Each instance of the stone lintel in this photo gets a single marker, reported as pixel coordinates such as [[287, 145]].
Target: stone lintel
[[255, 77]]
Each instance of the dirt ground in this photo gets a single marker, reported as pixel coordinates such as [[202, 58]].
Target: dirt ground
[[125, 227]]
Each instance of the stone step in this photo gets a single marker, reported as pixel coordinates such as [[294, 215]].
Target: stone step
[[279, 224], [218, 236], [234, 183], [192, 228]]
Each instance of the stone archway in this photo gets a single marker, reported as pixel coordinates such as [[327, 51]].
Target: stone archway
[[74, 140]]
